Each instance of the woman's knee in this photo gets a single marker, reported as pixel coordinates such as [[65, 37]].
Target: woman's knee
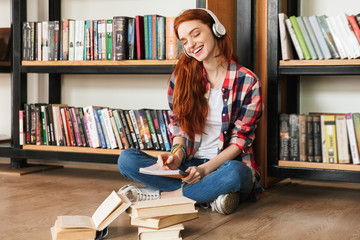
[[126, 159], [238, 172]]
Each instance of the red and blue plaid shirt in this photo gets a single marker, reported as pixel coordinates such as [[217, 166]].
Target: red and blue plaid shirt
[[242, 107]]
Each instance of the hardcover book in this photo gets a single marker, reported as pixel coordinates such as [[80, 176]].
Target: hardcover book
[[136, 128], [131, 39], [120, 37], [157, 129], [306, 37], [327, 36], [328, 122], [310, 138], [342, 139], [124, 133], [354, 150], [140, 41], [171, 232], [317, 139], [91, 124], [150, 122], [313, 39], [300, 38], [294, 137], [286, 51], [302, 137], [320, 37], [284, 136], [294, 39], [144, 128], [109, 41]]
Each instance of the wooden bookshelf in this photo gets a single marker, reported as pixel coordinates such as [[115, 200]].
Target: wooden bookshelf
[[82, 150], [101, 63], [331, 62], [315, 165]]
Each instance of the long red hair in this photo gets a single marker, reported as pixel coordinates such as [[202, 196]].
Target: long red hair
[[189, 104]]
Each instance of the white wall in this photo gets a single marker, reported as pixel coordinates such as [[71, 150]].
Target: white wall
[[120, 91], [329, 93]]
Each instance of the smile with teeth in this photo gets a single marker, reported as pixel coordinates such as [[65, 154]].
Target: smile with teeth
[[197, 50]]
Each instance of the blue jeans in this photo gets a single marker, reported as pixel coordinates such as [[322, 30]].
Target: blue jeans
[[231, 176]]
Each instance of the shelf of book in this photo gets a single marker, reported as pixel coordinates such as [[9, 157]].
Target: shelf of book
[[100, 67], [315, 165], [82, 150]]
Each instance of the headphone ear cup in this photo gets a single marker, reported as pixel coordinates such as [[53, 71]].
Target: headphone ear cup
[[218, 35]]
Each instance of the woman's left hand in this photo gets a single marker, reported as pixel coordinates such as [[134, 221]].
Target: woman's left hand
[[195, 175]]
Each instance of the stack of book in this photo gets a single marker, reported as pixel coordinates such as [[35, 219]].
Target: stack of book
[[320, 37], [96, 127], [162, 218], [320, 137]]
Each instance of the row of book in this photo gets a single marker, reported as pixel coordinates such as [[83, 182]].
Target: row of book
[[120, 38], [320, 37], [155, 219], [326, 138], [96, 127]]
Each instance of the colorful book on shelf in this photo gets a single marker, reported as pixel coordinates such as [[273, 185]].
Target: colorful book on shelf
[[284, 136], [153, 135], [157, 129], [172, 232], [342, 139], [163, 130], [294, 39], [91, 125], [71, 40], [144, 129], [136, 128], [140, 45], [354, 150], [108, 127], [285, 42], [100, 125], [109, 40], [115, 130], [331, 22], [300, 37], [328, 123], [306, 36], [45, 41], [95, 40], [356, 120], [79, 40], [171, 43], [342, 34], [131, 129], [86, 40], [355, 26], [324, 27], [103, 39], [80, 123], [131, 39], [320, 37], [302, 137], [350, 38], [123, 132], [76, 127], [313, 39], [21, 128], [85, 227], [317, 138], [127, 129], [294, 137], [38, 36], [310, 138], [120, 37]]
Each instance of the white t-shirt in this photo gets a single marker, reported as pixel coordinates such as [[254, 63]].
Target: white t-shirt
[[210, 137]]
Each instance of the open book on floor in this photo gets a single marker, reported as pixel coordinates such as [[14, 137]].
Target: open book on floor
[[155, 170], [85, 227]]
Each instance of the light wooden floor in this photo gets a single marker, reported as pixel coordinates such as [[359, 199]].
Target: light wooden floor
[[29, 205]]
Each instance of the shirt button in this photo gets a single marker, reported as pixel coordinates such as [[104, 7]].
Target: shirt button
[[223, 89], [225, 132], [225, 100], [223, 114]]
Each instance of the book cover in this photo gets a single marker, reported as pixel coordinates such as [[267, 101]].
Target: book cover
[[76, 128], [294, 137], [302, 137], [286, 51], [95, 39], [87, 40], [126, 127], [160, 38], [300, 38], [71, 128], [342, 34], [57, 40], [71, 40], [44, 121], [51, 25], [26, 41], [115, 130], [284, 136], [99, 39], [120, 37], [349, 34], [328, 36], [103, 39], [162, 207], [320, 37], [102, 128], [27, 123], [65, 127], [79, 40], [65, 39], [167, 122], [108, 127], [45, 41], [79, 122], [317, 138], [354, 150], [140, 44], [355, 26], [131, 129], [342, 139], [38, 125], [58, 124], [294, 39], [49, 113]]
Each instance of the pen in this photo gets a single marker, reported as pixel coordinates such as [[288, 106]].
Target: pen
[[172, 154]]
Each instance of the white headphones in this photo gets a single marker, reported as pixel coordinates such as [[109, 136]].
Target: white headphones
[[217, 28]]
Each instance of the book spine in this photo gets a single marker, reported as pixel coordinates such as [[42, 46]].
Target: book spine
[[144, 128], [352, 139], [51, 38], [25, 41], [44, 124], [327, 36], [167, 122], [33, 125], [330, 139], [87, 131], [131, 129], [136, 129], [120, 35], [342, 139], [120, 129], [38, 126], [99, 129], [146, 37], [115, 130], [21, 127], [103, 128], [131, 39], [82, 131], [49, 113], [157, 129], [317, 139], [71, 40], [319, 36], [163, 130], [39, 41], [108, 126], [294, 137], [284, 136], [333, 30], [302, 138], [160, 38], [57, 40], [139, 35], [91, 125], [27, 123], [313, 38], [95, 39], [294, 39], [65, 39], [75, 124], [65, 127], [300, 37], [32, 42], [310, 138], [45, 41], [356, 120], [152, 129], [126, 128], [306, 37], [103, 39], [286, 51], [109, 41], [70, 127], [86, 52]]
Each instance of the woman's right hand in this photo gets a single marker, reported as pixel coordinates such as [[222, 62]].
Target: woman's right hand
[[172, 161]]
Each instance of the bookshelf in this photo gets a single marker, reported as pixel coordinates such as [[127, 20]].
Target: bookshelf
[[283, 90], [19, 154]]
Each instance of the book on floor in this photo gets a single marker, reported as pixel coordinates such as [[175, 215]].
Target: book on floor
[[155, 170], [162, 207], [85, 227], [172, 232], [163, 221]]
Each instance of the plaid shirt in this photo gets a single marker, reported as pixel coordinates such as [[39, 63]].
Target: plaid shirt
[[242, 107]]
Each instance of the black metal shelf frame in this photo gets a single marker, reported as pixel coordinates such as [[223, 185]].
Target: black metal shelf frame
[[292, 102]]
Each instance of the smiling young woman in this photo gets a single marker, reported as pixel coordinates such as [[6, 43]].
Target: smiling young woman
[[215, 104]]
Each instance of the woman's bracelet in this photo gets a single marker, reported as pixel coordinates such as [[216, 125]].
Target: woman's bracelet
[[183, 149]]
